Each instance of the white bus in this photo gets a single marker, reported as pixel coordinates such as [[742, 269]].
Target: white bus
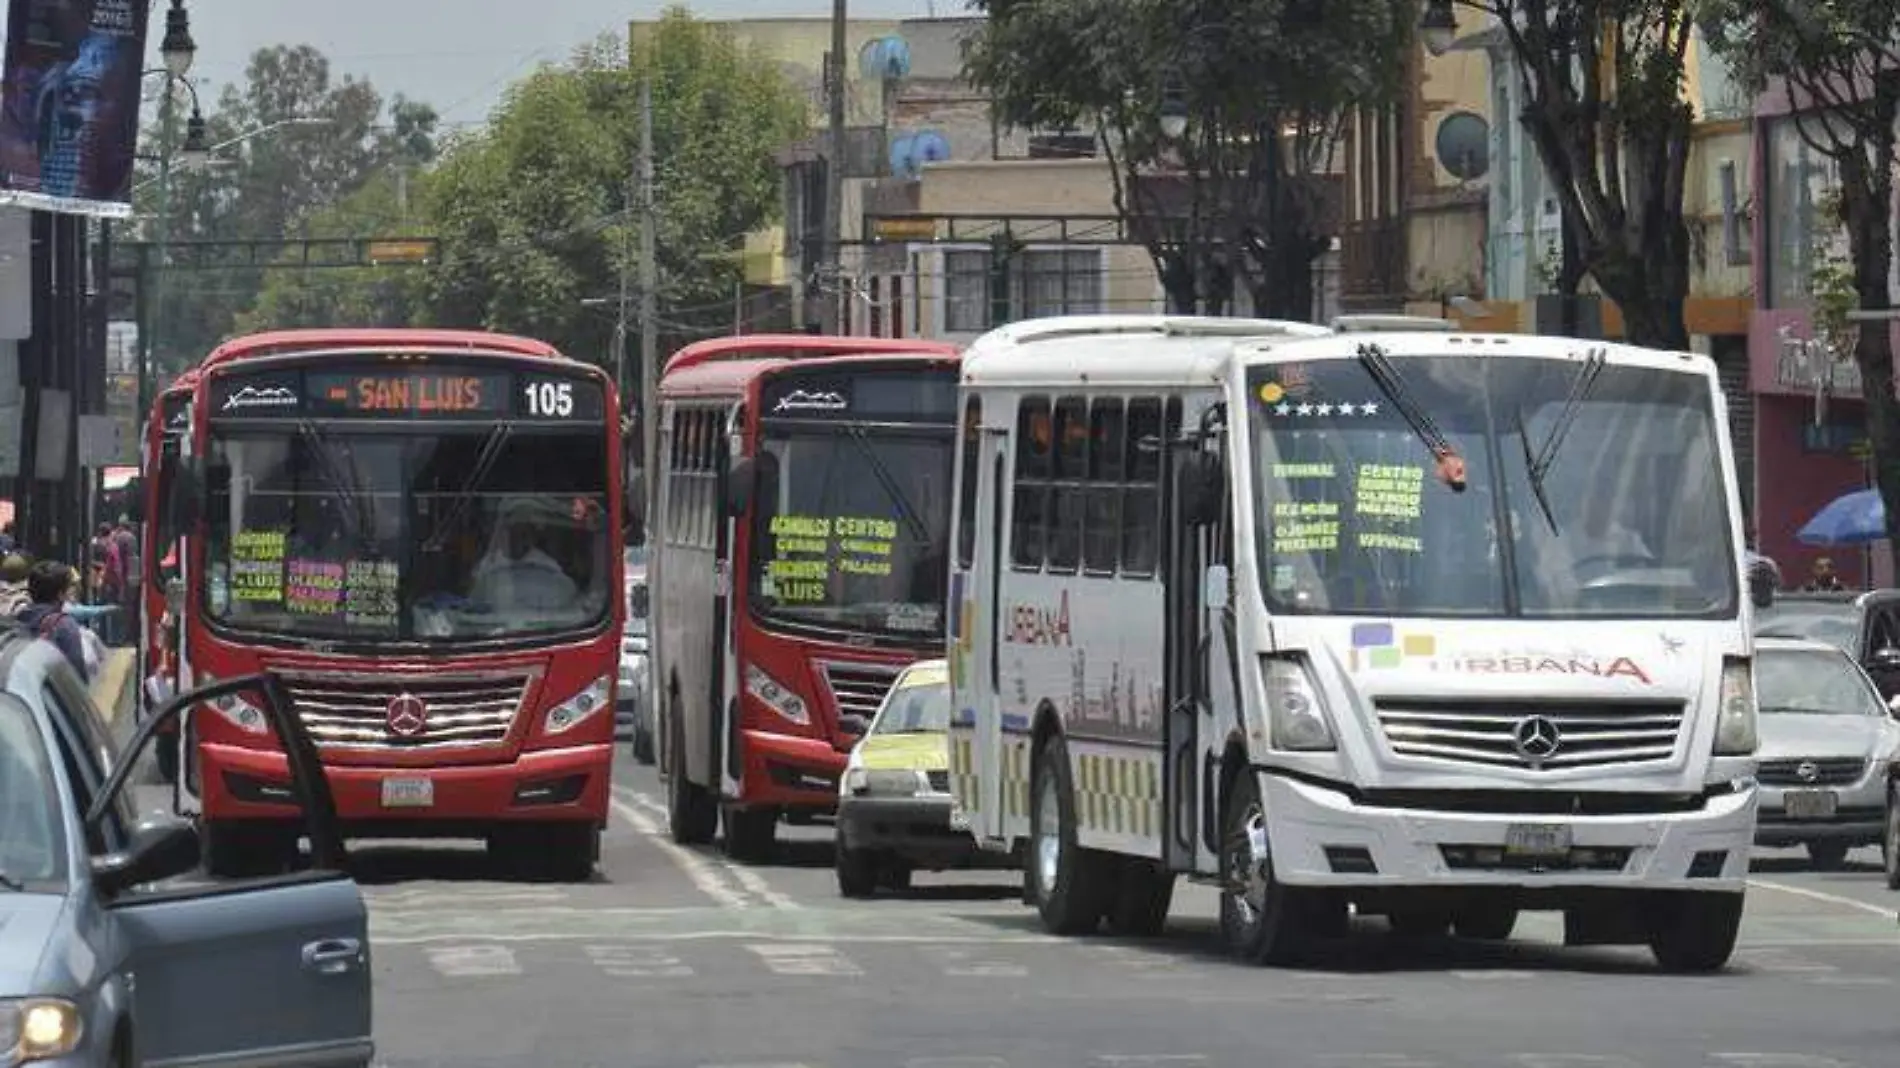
[[1430, 625]]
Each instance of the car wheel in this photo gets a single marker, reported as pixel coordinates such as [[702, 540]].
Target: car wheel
[[1694, 931], [1827, 855], [1890, 840], [857, 872], [895, 875], [551, 852]]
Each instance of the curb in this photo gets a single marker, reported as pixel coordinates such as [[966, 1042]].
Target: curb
[[111, 689]]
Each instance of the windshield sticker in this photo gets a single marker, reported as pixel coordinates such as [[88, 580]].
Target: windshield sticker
[[1305, 527], [369, 592], [313, 587], [913, 618], [257, 566], [1380, 646], [1390, 496]]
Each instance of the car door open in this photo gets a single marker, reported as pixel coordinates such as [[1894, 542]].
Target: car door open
[[284, 959]]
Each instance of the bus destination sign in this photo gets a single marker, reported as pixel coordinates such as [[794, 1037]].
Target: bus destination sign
[[409, 392]]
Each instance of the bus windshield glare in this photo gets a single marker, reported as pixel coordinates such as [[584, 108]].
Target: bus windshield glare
[[853, 513], [437, 534], [1632, 519]]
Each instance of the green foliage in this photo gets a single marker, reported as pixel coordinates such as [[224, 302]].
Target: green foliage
[[363, 296], [536, 213], [1832, 280], [1265, 84]]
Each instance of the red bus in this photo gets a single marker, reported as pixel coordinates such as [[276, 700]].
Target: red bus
[[420, 531], [160, 592], [796, 562]]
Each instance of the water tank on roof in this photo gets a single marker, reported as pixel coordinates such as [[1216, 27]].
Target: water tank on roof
[[884, 59], [909, 152]]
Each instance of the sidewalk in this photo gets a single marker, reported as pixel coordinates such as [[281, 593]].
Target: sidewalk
[[113, 689]]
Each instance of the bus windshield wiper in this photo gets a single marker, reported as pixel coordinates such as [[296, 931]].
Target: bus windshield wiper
[[905, 510], [1451, 466], [1536, 481], [492, 444], [332, 471], [1580, 387], [8, 882]]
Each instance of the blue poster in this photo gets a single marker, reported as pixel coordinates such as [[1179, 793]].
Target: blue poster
[[69, 108]]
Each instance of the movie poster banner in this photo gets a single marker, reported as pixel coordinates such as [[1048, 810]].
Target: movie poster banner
[[69, 109]]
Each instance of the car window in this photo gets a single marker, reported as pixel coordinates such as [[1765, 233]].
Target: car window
[[916, 709], [1832, 624], [1813, 681], [32, 839]]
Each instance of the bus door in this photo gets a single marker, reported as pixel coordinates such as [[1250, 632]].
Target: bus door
[[726, 581], [1200, 642], [985, 599]]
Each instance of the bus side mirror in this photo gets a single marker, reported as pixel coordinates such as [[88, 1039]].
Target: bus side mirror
[[741, 479], [1202, 489]]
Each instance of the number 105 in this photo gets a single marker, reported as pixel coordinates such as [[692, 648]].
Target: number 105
[[550, 398]]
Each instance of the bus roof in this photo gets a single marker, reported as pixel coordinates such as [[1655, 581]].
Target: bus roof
[[281, 342], [1492, 346], [1119, 350], [722, 366]]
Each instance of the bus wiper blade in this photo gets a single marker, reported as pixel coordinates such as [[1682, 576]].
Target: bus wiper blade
[[1537, 483], [8, 882], [464, 497], [1451, 466], [343, 486], [905, 510], [1580, 389]]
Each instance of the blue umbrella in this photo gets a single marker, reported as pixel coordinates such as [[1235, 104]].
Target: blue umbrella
[[1852, 519]]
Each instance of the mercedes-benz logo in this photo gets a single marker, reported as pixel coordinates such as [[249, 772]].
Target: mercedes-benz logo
[[1536, 738], [407, 715], [1807, 771]]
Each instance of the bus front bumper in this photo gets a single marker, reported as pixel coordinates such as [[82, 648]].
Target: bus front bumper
[[790, 772], [1323, 837], [555, 785]]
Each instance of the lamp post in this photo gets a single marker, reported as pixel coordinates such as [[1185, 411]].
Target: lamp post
[[178, 51]]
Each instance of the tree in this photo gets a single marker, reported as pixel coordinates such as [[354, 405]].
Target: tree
[[1839, 63], [537, 214], [395, 295], [1611, 123], [1264, 86]]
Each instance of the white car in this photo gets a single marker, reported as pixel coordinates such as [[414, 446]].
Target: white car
[[633, 711]]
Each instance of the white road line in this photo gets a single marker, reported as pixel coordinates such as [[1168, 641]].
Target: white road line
[[1779, 1060], [805, 959], [1134, 1059], [956, 1062], [1481, 975], [473, 961], [703, 874], [751, 880], [633, 962], [1832, 899], [1575, 1060], [718, 936], [957, 961]]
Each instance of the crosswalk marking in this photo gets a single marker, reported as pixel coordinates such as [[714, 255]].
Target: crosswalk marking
[[956, 1062], [1575, 1060], [962, 961], [808, 959], [1778, 1060], [473, 961], [637, 962], [1376, 1060]]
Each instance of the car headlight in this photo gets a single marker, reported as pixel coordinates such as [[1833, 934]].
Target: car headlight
[[776, 696], [883, 782], [38, 1029], [235, 710], [581, 707], [1735, 710], [1296, 718]]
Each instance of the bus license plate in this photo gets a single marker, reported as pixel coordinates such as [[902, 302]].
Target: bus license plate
[[1810, 804], [1537, 840], [408, 793]]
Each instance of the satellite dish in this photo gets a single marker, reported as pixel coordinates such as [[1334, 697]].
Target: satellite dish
[[903, 156], [930, 147], [884, 59], [1464, 145]]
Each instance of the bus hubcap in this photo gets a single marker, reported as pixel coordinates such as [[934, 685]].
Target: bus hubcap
[[1048, 835]]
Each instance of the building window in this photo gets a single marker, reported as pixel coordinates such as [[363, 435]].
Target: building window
[[1799, 180], [966, 291], [1058, 282]]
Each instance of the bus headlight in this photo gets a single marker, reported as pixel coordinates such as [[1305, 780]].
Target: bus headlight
[[776, 696], [235, 710], [1296, 718], [581, 707], [1735, 712], [38, 1029]]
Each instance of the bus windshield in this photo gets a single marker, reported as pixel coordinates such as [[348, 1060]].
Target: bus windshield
[[1632, 520], [850, 528], [454, 534]]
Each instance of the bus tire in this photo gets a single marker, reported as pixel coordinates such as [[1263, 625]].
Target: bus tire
[[857, 872], [691, 812], [240, 849], [1262, 920], [1890, 839], [571, 852], [1072, 884], [1693, 931], [1143, 892], [751, 833]]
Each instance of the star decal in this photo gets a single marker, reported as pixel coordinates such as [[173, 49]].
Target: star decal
[[1327, 409], [1305, 409], [1283, 409], [1368, 408]]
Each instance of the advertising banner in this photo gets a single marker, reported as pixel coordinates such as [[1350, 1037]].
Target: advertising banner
[[69, 108]]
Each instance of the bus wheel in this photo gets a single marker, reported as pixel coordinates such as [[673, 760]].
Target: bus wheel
[[751, 833], [857, 872], [1262, 920], [1890, 840], [690, 808], [895, 875], [1144, 889], [1072, 884], [234, 849], [1694, 931], [554, 852]]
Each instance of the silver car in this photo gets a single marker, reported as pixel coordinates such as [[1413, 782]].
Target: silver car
[[633, 711], [1826, 743], [114, 950]]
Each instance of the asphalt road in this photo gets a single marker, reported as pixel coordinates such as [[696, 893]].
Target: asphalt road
[[674, 958]]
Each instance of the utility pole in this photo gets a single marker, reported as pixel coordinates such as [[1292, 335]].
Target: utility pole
[[649, 311], [830, 259]]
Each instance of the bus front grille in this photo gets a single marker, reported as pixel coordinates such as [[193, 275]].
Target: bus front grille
[[1531, 734], [858, 688], [356, 712]]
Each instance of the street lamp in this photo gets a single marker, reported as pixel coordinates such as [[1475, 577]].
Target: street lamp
[[1437, 26], [1174, 110], [178, 48], [197, 149]]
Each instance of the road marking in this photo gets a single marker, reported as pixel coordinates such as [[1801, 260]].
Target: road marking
[[804, 959], [1851, 980], [1133, 1059], [435, 896], [1778, 960], [473, 961], [1779, 1060], [1574, 1060], [702, 874], [1378, 1060], [636, 962], [970, 962], [956, 1062], [1483, 975], [1832, 899], [746, 877]]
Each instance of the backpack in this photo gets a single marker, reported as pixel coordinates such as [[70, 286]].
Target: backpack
[[49, 623]]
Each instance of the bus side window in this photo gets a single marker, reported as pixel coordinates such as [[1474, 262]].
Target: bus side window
[[1030, 511], [1108, 468], [1065, 494], [1141, 498], [966, 489]]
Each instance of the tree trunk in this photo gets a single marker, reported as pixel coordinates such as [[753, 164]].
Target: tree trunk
[[1866, 199]]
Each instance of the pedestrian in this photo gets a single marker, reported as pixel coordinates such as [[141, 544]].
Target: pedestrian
[[7, 542], [1822, 578], [49, 585], [13, 595]]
